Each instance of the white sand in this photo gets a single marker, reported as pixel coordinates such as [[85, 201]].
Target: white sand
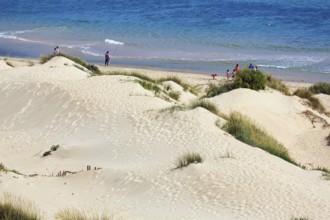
[[111, 122]]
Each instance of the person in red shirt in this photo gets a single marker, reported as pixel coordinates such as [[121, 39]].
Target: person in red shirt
[[237, 68]]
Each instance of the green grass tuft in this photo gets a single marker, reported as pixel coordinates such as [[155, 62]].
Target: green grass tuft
[[277, 85], [187, 159], [12, 208], [214, 90], [150, 86], [245, 130], [204, 104], [320, 88], [250, 79], [313, 102], [177, 80], [77, 214], [174, 95]]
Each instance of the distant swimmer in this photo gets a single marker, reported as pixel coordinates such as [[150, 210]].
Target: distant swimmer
[[107, 58]]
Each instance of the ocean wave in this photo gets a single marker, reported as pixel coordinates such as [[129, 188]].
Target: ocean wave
[[7, 36], [109, 41], [91, 53], [273, 66]]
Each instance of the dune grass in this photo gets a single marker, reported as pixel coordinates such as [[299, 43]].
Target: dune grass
[[179, 81], [5, 169], [320, 88], [174, 95], [313, 102], [204, 104], [77, 214], [214, 90], [328, 140], [277, 85], [188, 158], [16, 208], [243, 129], [246, 78], [150, 86], [94, 69]]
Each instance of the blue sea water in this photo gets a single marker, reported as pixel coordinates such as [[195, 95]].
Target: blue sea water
[[289, 38]]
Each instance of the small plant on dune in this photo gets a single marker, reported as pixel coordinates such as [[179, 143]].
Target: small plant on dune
[[320, 88], [177, 80], [313, 102], [187, 159], [300, 218], [250, 79], [16, 208], [174, 95], [53, 148], [204, 104], [175, 108], [245, 130], [77, 214], [277, 85], [167, 87], [5, 169], [328, 140], [10, 63], [133, 73], [214, 90], [150, 86]]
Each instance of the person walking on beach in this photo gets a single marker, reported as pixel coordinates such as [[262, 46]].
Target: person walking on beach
[[107, 59]]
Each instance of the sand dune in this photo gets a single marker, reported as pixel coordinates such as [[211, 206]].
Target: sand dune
[[113, 123]]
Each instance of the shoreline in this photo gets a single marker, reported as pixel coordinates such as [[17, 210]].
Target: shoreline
[[292, 78]]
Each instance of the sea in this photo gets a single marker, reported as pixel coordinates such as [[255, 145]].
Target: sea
[[286, 38]]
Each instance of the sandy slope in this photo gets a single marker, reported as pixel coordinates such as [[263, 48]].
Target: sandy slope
[[111, 122]]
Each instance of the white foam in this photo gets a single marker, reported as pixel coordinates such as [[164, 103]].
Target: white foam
[[109, 41]]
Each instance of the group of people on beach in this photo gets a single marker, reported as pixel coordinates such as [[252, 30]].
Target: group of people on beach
[[237, 69]]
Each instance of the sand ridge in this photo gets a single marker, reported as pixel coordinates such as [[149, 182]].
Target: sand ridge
[[113, 123]]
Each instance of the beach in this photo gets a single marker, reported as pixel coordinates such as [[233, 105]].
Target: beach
[[105, 143]]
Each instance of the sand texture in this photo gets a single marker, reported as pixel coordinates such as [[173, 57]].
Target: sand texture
[[121, 130]]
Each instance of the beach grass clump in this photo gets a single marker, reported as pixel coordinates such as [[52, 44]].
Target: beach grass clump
[[12, 208], [243, 129], [179, 81], [5, 169], [250, 79], [188, 158], [132, 73], [204, 104], [313, 102], [214, 90], [174, 95], [77, 214], [320, 88], [150, 86], [328, 140], [277, 85]]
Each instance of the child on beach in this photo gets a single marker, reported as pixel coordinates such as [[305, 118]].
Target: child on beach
[[107, 59], [228, 74]]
